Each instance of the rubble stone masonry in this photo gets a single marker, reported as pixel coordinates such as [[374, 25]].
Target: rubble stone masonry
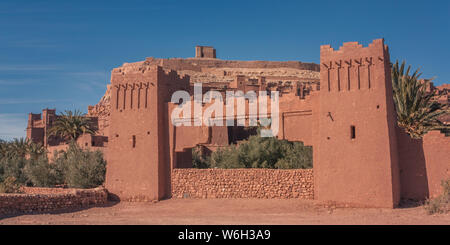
[[243, 183], [41, 200]]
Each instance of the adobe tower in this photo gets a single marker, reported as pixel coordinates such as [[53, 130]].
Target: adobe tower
[[355, 158], [138, 150]]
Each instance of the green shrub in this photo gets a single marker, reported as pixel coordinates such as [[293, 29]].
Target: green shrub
[[44, 174], [13, 167], [226, 158], [76, 168], [10, 185], [259, 152], [198, 161], [15, 155], [82, 168], [2, 171], [295, 155]]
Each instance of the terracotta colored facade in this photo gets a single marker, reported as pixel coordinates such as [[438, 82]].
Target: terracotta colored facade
[[356, 155], [138, 147], [39, 125], [424, 164], [360, 156], [38, 132]]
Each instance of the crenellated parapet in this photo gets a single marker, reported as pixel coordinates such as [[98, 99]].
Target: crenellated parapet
[[131, 85], [137, 93], [353, 66]]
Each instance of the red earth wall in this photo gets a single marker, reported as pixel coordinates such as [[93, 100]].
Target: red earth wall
[[355, 157]]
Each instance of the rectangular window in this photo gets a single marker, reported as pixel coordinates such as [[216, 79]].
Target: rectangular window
[[134, 141], [352, 132]]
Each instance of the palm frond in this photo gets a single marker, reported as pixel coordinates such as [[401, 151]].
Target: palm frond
[[417, 110], [70, 125]]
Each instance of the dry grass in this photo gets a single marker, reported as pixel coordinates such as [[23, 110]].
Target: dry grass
[[440, 204]]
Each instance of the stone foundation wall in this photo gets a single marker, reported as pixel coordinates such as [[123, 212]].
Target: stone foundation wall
[[46, 190], [243, 183], [41, 200]]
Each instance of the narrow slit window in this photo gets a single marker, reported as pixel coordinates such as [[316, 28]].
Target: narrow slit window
[[134, 141], [352, 132], [117, 97]]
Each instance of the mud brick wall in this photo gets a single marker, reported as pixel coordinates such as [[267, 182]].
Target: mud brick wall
[[424, 163], [41, 200], [242, 183], [436, 148]]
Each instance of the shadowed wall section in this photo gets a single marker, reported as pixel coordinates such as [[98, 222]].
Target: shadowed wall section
[[413, 171], [436, 148], [424, 164]]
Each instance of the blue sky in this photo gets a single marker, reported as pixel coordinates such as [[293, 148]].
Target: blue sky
[[58, 54]]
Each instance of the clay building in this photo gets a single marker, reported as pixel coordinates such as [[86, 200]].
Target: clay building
[[342, 107], [38, 132], [205, 52]]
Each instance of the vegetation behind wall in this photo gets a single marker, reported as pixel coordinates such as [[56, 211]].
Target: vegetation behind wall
[[257, 152], [75, 168]]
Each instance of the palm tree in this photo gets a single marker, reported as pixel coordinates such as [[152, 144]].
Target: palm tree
[[3, 149], [35, 150], [70, 125], [19, 147], [417, 110]]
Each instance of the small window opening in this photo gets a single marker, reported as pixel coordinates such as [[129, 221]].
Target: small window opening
[[352, 132], [179, 102], [134, 141]]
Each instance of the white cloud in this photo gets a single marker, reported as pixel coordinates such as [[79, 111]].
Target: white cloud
[[13, 125], [96, 74], [90, 81], [17, 82], [29, 68], [12, 101]]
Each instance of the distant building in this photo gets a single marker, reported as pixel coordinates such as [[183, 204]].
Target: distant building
[[205, 52]]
